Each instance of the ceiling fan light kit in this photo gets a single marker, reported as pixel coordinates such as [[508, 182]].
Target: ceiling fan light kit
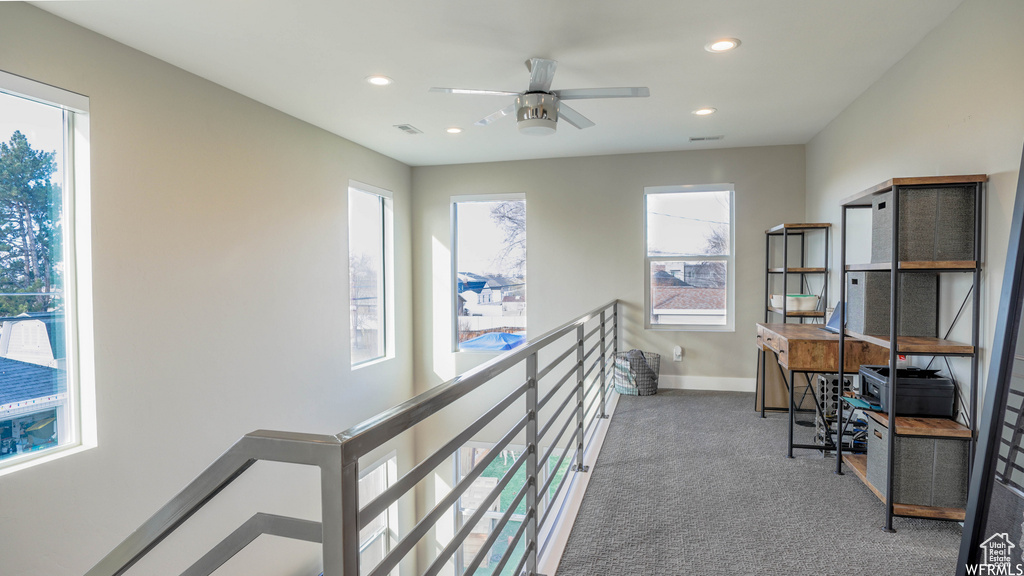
[[538, 108], [537, 114]]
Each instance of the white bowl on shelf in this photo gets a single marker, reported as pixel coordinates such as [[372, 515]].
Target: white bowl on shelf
[[796, 302]]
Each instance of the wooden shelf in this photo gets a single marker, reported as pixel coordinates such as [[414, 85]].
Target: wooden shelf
[[859, 464], [921, 426], [917, 344], [864, 198], [939, 265], [797, 270], [804, 226], [799, 314]]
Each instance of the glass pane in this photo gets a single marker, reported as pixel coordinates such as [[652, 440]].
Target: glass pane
[[35, 412], [372, 553], [474, 497], [491, 279], [366, 274], [370, 486], [688, 224], [688, 292]]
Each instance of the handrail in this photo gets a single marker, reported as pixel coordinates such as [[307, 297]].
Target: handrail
[[338, 459], [373, 432]]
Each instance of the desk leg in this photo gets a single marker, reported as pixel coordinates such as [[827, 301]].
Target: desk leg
[[762, 360], [791, 414]]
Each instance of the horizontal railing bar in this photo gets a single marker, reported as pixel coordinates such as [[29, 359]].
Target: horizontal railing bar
[[379, 504], [591, 333], [257, 525], [406, 544], [276, 446], [597, 362], [513, 543], [420, 471], [594, 348], [611, 331], [554, 497], [363, 437], [593, 401], [565, 452], [547, 369], [554, 444], [551, 421], [496, 530], [526, 555], [558, 385], [478, 515]]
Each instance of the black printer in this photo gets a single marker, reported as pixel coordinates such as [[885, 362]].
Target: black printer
[[919, 392]]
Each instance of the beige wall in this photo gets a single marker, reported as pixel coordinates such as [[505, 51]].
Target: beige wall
[[585, 243], [953, 105], [220, 266]]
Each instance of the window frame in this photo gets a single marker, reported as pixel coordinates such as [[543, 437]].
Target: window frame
[[386, 290], [77, 258], [453, 209], [390, 529], [729, 259]]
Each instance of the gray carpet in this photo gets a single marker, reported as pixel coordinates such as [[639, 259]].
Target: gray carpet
[[694, 483]]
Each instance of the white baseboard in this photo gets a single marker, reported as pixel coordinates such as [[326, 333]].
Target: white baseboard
[[707, 383]]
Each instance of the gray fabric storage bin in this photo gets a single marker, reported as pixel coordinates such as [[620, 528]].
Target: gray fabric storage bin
[[935, 224], [867, 297], [927, 471], [635, 373]]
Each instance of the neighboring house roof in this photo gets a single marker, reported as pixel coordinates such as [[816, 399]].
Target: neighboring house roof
[[689, 298], [20, 381], [662, 278]]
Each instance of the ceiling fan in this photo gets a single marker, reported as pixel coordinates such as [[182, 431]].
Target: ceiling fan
[[538, 108]]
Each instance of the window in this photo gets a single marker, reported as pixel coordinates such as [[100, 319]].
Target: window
[[45, 345], [377, 537], [467, 505], [370, 271], [489, 261], [689, 240]]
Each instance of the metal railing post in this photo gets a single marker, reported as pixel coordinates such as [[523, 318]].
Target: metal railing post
[[349, 515], [531, 465], [604, 362], [580, 400], [331, 524]]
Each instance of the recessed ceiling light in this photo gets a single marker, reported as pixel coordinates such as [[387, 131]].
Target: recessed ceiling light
[[722, 45], [453, 130], [378, 80], [705, 111]]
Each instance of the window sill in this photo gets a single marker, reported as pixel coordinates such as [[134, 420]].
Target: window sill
[[30, 460]]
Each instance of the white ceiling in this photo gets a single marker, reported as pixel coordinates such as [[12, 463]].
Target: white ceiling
[[800, 64]]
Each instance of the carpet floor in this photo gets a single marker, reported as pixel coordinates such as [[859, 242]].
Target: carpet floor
[[694, 483]]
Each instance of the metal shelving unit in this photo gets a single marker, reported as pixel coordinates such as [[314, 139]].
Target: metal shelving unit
[[896, 344], [787, 233]]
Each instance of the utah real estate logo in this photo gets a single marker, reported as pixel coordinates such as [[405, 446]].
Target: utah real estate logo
[[996, 558]]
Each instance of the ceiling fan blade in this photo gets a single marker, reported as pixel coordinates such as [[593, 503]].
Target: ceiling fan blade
[[573, 117], [506, 111], [585, 93], [473, 91], [541, 73]]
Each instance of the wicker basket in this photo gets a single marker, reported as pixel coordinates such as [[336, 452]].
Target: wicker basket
[[636, 373]]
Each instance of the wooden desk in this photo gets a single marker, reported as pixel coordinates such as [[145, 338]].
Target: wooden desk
[[807, 348]]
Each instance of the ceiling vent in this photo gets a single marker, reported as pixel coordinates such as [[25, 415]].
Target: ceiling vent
[[705, 138], [408, 129]]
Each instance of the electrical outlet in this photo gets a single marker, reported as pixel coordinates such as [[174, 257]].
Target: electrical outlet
[[677, 354]]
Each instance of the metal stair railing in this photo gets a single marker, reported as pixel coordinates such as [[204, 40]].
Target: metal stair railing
[[338, 460]]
